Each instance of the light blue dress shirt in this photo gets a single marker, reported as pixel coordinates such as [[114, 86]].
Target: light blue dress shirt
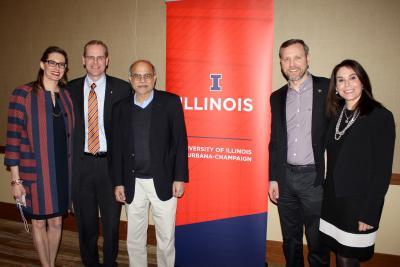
[[146, 102]]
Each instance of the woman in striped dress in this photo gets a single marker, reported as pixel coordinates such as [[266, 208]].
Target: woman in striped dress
[[38, 149]]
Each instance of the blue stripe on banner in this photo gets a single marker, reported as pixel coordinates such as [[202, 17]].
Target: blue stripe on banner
[[231, 242]]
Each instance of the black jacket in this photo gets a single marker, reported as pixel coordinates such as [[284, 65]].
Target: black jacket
[[278, 143], [364, 164], [168, 144], [116, 90]]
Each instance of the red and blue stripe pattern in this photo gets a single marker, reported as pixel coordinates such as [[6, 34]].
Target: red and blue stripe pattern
[[30, 145]]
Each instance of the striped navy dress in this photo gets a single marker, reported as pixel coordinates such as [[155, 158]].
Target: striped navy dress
[[34, 136]]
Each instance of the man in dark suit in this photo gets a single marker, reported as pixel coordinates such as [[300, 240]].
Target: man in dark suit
[[150, 163], [297, 165], [93, 97]]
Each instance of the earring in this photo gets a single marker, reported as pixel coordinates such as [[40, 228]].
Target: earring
[[337, 95]]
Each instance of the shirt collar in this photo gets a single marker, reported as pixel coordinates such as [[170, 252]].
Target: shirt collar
[[99, 82], [146, 102], [306, 84]]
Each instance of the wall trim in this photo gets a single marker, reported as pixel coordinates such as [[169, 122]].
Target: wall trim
[[395, 180], [274, 253]]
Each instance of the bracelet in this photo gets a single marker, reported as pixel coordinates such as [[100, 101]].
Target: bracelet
[[16, 182]]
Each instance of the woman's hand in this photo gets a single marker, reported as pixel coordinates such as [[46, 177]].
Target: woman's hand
[[362, 227], [18, 190]]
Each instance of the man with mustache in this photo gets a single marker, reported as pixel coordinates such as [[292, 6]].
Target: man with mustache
[[150, 163], [296, 148]]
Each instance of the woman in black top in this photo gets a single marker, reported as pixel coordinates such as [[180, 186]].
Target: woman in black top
[[360, 147]]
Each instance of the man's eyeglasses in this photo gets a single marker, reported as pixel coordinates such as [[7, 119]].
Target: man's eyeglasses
[[139, 77], [54, 64]]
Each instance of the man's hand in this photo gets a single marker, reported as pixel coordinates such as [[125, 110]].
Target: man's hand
[[362, 227], [120, 193], [273, 191], [178, 188]]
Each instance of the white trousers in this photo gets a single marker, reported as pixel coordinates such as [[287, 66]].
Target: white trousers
[[164, 219]]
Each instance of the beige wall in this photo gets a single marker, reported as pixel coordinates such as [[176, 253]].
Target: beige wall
[[365, 30], [131, 29]]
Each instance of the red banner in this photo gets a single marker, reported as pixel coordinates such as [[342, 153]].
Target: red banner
[[219, 58]]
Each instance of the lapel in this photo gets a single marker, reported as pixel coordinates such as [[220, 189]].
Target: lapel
[[283, 112], [127, 113], [317, 108], [79, 99], [156, 108], [107, 103]]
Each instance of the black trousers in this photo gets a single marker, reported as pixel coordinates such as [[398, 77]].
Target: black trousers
[[96, 194], [299, 205]]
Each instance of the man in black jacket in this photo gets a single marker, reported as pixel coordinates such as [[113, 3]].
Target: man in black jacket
[[93, 96], [296, 149], [150, 163]]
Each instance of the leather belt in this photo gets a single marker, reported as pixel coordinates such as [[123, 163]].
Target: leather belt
[[301, 168], [97, 155]]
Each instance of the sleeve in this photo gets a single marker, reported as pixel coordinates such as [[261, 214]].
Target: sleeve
[[181, 172], [383, 138], [272, 146], [15, 126], [116, 147]]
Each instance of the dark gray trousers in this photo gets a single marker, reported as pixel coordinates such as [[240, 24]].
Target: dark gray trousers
[[96, 194], [299, 205]]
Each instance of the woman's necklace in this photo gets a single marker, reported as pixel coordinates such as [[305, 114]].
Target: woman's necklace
[[347, 117], [57, 114], [349, 120]]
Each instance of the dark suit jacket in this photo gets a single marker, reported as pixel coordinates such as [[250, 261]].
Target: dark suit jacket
[[116, 90], [278, 143], [364, 164], [168, 144]]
